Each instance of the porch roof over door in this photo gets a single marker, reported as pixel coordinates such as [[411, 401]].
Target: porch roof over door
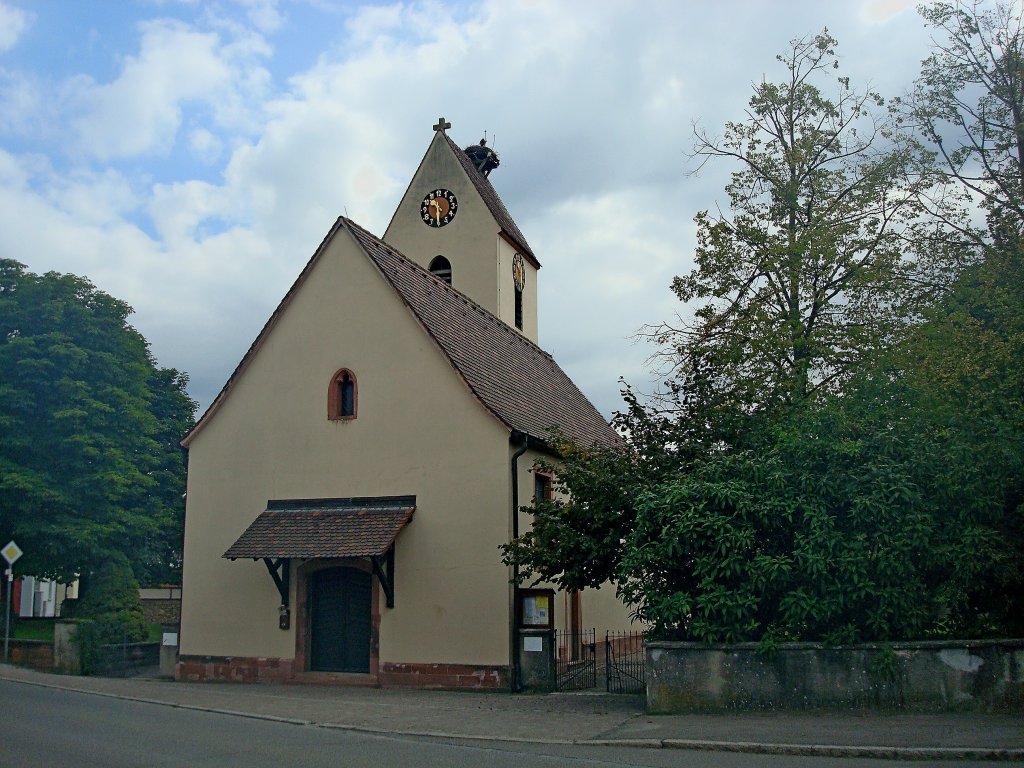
[[325, 528]]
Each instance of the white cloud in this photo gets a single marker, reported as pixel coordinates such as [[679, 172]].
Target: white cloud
[[141, 111], [882, 11], [23, 105], [13, 23], [205, 144], [262, 14], [591, 114]]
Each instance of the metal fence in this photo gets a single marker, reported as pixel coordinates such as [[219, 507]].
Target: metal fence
[[580, 660], [576, 660], [625, 668], [127, 659], [104, 649]]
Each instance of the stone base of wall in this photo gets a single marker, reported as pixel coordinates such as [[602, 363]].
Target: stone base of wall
[[443, 676], [923, 676], [34, 654], [232, 668], [261, 670]]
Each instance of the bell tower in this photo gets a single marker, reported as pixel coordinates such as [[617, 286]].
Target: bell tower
[[452, 222]]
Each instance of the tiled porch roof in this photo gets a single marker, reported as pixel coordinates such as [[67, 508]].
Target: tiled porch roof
[[325, 528]]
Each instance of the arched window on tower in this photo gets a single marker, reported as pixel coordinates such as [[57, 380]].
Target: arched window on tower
[[441, 267], [341, 396]]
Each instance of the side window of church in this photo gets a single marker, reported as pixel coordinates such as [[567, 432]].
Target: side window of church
[[541, 487], [341, 396], [441, 267]]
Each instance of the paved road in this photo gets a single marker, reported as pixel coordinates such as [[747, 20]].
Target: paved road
[[59, 728]]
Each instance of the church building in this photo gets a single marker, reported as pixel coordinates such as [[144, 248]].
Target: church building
[[351, 484]]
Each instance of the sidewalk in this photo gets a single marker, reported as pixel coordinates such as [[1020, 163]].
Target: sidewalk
[[574, 718]]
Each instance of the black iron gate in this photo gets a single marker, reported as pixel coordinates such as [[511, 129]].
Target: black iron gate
[[579, 657], [625, 668], [576, 660]]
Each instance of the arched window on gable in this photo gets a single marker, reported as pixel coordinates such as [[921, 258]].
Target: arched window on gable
[[441, 267], [342, 396]]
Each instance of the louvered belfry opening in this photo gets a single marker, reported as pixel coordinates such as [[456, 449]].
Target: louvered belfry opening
[[441, 267]]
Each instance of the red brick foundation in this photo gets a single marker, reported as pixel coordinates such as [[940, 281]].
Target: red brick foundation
[[34, 654], [271, 670], [231, 668], [443, 676]]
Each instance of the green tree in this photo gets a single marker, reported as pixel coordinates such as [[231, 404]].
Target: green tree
[[113, 602], [964, 366], [89, 460], [577, 537], [805, 274], [821, 526], [839, 456], [964, 361], [969, 101], [108, 614]]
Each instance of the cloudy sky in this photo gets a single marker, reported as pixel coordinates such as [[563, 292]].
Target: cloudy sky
[[189, 156]]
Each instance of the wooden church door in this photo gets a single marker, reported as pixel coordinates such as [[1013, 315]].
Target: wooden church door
[[340, 602]]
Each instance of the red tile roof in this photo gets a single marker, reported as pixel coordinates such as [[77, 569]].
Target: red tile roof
[[490, 197], [323, 528], [516, 380]]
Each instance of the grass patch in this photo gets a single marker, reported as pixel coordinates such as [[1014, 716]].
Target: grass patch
[[42, 629], [33, 629]]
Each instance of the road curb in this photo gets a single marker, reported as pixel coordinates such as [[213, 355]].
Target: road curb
[[444, 735], [751, 747], [830, 750]]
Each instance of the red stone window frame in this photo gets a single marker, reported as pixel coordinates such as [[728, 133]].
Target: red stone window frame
[[303, 625], [337, 408]]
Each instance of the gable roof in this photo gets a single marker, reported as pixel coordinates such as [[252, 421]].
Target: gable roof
[[492, 201], [513, 378], [520, 384]]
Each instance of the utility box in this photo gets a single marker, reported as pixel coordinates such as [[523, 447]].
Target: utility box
[[537, 659], [168, 650], [535, 639]]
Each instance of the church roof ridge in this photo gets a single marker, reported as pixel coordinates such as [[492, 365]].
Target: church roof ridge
[[258, 341], [513, 378], [518, 382], [444, 285]]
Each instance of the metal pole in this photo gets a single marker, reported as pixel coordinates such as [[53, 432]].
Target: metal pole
[[7, 613]]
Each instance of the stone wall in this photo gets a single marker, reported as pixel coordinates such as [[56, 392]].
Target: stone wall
[[162, 610], [35, 654], [921, 676]]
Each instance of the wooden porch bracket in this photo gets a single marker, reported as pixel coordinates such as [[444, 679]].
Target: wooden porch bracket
[[281, 574], [384, 568]]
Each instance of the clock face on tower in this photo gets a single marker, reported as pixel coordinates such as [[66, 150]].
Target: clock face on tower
[[438, 208]]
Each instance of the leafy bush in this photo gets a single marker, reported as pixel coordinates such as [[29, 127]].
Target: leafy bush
[[111, 602]]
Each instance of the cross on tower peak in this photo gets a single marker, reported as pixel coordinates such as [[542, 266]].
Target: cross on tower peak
[[442, 124]]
